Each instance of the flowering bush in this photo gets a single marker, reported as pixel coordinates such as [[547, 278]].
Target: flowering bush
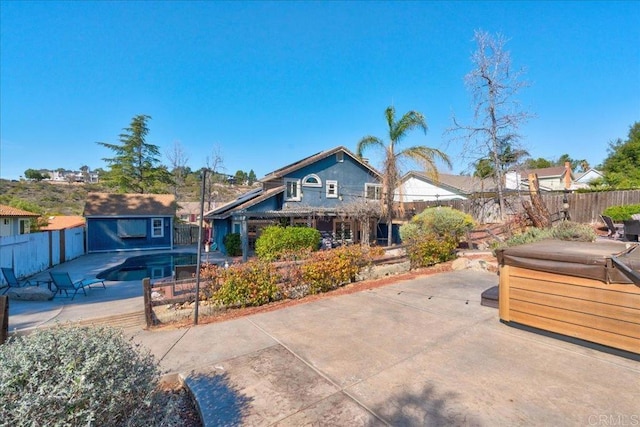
[[252, 283], [75, 376]]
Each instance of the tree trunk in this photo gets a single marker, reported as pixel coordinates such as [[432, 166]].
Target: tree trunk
[[537, 210]]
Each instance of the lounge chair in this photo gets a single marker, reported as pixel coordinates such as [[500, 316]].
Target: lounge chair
[[63, 282], [615, 232], [12, 280]]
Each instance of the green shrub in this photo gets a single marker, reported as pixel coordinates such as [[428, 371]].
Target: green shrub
[[329, 269], [250, 284], [565, 230], [233, 244], [75, 376], [275, 241], [574, 231], [621, 212], [441, 221], [430, 249]]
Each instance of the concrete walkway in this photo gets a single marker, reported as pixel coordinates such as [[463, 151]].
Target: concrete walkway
[[418, 352]]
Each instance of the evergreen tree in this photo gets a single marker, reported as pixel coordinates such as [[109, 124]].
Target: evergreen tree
[[134, 168]]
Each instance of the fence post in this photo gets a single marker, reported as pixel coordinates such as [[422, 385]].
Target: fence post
[[148, 310], [4, 318]]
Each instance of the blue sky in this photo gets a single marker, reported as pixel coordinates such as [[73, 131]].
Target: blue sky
[[268, 83]]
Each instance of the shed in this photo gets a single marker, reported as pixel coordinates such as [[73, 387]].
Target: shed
[[127, 222]]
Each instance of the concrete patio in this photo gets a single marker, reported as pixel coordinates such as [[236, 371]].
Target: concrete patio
[[417, 352]]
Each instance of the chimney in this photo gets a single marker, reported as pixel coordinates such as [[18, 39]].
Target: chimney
[[567, 175]]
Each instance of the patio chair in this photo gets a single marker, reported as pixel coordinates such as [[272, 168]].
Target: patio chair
[[63, 282], [615, 232], [12, 280]]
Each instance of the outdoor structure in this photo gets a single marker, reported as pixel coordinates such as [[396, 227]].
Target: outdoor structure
[[556, 178], [125, 222], [330, 191], [14, 221], [588, 291], [419, 187]]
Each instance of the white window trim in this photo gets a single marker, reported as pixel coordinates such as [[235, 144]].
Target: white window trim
[[332, 184], [366, 188], [154, 228], [298, 196], [305, 182]]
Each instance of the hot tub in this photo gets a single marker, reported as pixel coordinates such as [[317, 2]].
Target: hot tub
[[587, 291]]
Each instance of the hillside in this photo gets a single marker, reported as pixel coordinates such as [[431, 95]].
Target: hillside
[[61, 198]]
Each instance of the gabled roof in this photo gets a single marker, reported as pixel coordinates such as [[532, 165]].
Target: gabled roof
[[63, 221], [108, 204], [244, 201], [552, 172], [286, 170], [10, 211], [455, 183]]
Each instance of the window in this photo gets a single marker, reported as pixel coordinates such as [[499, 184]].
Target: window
[[24, 226], [292, 190], [131, 228], [339, 157], [312, 180], [373, 191], [332, 189], [157, 227]]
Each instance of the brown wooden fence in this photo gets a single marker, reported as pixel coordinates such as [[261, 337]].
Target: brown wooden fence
[[583, 207], [185, 234]]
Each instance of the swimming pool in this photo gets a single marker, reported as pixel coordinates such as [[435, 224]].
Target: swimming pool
[[154, 266]]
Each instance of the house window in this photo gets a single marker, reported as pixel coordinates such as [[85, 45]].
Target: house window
[[24, 226], [312, 180], [332, 189], [157, 227], [5, 221], [339, 157], [373, 191], [292, 190]]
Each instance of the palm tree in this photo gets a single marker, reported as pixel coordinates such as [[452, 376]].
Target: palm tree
[[390, 169]]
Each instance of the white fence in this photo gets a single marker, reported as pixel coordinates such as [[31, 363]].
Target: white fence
[[32, 253]]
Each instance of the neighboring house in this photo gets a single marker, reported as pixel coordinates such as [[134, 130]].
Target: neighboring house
[[125, 222], [188, 212], [63, 222], [419, 187], [585, 178], [317, 191], [14, 221], [556, 178]]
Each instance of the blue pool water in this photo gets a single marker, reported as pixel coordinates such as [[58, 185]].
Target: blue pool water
[[154, 266]]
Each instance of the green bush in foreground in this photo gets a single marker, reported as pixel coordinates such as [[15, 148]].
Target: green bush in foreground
[[75, 376], [274, 241]]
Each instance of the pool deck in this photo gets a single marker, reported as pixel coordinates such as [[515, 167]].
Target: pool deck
[[119, 297]]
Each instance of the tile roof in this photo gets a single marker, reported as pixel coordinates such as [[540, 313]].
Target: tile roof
[[6, 211], [63, 221], [108, 204]]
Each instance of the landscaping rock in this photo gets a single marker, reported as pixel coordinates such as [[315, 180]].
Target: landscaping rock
[[460, 264]]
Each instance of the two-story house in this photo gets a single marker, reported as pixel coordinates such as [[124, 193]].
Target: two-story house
[[319, 191]]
